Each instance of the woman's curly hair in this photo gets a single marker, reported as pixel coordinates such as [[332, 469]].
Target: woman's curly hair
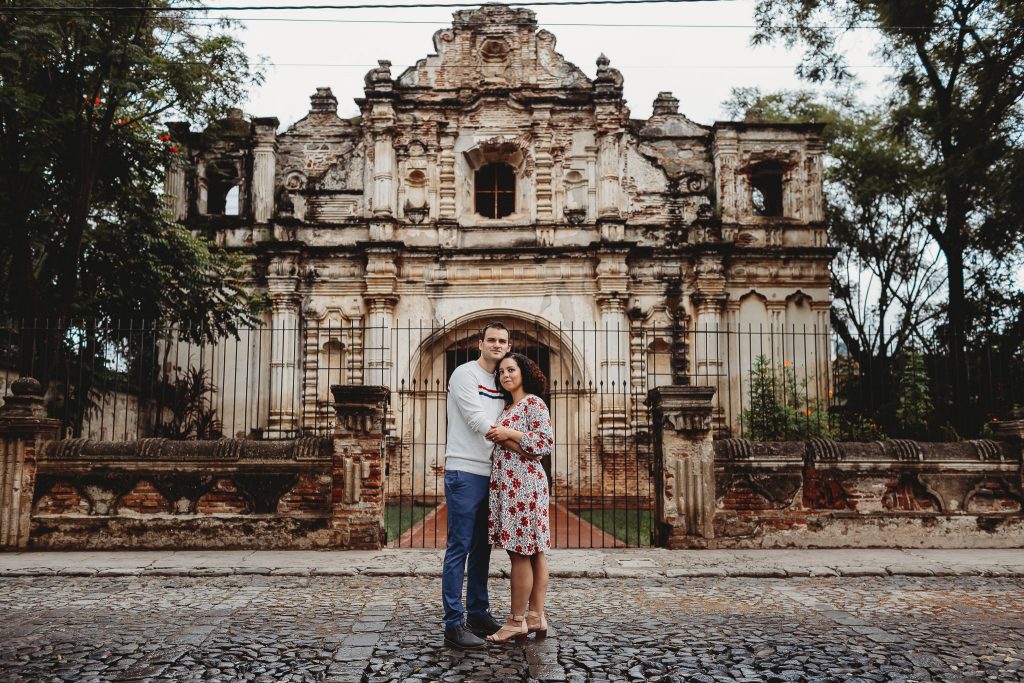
[[534, 381]]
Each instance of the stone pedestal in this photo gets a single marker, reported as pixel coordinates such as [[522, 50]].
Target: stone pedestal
[[1012, 430], [357, 488], [684, 469], [24, 428]]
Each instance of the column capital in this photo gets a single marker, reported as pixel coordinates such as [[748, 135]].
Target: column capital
[[683, 409]]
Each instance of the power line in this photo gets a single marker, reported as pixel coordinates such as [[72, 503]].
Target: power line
[[277, 8], [451, 67], [447, 22]]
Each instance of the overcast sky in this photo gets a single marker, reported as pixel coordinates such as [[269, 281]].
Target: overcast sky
[[696, 50]]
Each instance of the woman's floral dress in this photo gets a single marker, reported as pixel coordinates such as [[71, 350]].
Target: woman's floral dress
[[519, 487]]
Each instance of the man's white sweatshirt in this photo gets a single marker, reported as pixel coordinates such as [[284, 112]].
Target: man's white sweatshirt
[[474, 405]]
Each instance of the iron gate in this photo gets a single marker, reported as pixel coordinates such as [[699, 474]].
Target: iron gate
[[600, 469]]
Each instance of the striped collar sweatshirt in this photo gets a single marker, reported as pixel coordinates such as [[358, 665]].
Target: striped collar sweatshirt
[[474, 405]]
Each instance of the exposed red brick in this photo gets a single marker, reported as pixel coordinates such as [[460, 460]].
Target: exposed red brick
[[62, 499], [144, 499], [223, 498]]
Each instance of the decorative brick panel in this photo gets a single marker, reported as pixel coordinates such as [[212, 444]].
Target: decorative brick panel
[[357, 487]]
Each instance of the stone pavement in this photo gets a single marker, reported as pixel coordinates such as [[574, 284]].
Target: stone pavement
[[383, 629], [650, 563]]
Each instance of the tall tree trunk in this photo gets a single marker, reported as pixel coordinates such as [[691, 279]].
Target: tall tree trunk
[[953, 249]]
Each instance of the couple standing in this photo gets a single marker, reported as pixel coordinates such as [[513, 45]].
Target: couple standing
[[496, 491]]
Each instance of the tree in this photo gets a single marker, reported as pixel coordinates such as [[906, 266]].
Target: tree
[[83, 228], [957, 86]]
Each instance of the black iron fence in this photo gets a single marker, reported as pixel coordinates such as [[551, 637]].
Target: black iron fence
[[134, 379]]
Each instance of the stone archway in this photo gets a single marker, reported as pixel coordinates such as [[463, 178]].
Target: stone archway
[[580, 466]]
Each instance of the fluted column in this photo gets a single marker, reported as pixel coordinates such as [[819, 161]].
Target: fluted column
[[175, 191], [710, 345], [383, 174], [608, 176], [264, 168], [613, 338], [282, 284], [381, 299], [24, 428]]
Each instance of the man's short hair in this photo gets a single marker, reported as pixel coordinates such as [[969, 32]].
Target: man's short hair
[[493, 325]]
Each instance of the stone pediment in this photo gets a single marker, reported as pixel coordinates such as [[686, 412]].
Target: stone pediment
[[494, 46]]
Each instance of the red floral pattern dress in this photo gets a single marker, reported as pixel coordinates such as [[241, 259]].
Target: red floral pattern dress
[[519, 487]]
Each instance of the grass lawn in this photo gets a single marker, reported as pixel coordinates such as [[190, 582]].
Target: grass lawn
[[399, 518], [632, 527]]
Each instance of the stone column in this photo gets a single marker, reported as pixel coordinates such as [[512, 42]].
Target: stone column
[[175, 192], [381, 298], [446, 177], [543, 162], [24, 428], [725, 151], [613, 338], [264, 168], [684, 465], [608, 176], [710, 345], [383, 175], [357, 486], [282, 285]]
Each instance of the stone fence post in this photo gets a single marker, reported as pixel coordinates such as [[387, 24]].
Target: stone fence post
[[24, 428], [1012, 430], [685, 465], [357, 488]]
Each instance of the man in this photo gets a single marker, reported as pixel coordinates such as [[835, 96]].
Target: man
[[474, 404]]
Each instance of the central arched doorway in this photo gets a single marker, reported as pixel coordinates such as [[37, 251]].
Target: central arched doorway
[[600, 481]]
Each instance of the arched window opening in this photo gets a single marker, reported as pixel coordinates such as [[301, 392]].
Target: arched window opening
[[222, 180], [495, 191], [231, 202], [766, 188]]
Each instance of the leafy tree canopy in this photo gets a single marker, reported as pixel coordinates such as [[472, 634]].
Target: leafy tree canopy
[[83, 227]]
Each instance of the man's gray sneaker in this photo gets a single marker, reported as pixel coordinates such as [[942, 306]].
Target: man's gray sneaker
[[483, 625], [459, 636]]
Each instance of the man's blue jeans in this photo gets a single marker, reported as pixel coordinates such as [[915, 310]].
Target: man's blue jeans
[[467, 498]]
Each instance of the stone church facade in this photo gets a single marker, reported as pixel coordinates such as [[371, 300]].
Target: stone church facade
[[495, 180]]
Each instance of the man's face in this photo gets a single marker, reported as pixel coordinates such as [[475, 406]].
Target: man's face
[[495, 344]]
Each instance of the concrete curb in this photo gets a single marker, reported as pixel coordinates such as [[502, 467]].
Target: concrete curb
[[612, 573]]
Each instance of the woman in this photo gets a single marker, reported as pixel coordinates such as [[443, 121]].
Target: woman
[[519, 493]]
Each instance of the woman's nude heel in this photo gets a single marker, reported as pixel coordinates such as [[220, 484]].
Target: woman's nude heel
[[536, 623], [516, 629]]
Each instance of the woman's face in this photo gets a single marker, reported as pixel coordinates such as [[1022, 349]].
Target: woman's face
[[510, 376]]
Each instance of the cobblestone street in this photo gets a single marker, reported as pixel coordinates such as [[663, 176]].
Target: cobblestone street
[[377, 629]]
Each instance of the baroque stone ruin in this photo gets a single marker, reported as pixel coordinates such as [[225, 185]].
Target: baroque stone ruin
[[495, 180]]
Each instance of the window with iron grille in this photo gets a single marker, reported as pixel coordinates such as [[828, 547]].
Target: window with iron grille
[[495, 190]]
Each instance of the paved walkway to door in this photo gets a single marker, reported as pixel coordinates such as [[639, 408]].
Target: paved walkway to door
[[570, 531]]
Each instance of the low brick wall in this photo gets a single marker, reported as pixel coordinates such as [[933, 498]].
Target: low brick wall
[[304, 493], [156, 493], [896, 493]]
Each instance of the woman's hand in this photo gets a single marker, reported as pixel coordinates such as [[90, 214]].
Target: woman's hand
[[499, 434]]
